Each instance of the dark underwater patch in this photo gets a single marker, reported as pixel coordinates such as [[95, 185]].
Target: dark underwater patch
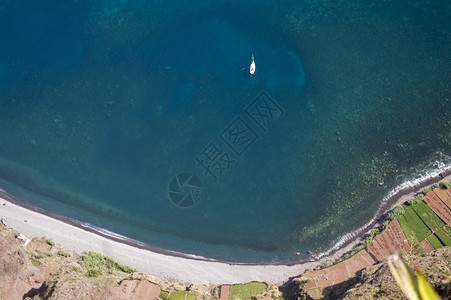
[[47, 35]]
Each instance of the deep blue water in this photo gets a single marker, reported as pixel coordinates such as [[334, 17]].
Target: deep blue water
[[141, 117]]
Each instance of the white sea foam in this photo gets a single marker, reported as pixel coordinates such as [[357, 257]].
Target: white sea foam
[[124, 239], [343, 240], [104, 232], [198, 257]]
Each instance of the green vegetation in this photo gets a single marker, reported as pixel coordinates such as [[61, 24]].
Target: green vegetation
[[374, 232], [398, 211], [94, 272], [415, 200], [434, 241], [370, 238], [64, 253], [415, 248], [95, 264], [353, 252], [35, 262], [384, 225], [180, 295], [426, 190], [444, 184], [50, 242], [244, 291], [443, 237], [37, 254]]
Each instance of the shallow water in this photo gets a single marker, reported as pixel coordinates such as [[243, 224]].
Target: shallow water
[[140, 117]]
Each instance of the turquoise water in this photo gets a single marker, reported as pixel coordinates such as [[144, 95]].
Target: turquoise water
[[140, 117]]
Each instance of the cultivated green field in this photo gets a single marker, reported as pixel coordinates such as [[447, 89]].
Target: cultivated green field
[[420, 222], [444, 238], [179, 295], [244, 291]]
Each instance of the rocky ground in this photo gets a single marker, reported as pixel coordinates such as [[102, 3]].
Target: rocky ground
[[44, 271]]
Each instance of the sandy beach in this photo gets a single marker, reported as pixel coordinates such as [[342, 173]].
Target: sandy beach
[[167, 267]]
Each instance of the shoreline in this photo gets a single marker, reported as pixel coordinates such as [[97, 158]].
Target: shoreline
[[170, 265]]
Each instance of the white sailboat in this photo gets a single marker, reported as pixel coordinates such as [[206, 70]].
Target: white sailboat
[[252, 66]]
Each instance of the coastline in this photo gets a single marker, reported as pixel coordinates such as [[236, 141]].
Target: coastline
[[396, 197], [167, 265]]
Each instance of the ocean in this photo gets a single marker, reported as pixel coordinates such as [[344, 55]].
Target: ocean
[[141, 119]]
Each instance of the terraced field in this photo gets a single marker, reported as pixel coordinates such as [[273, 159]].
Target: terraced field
[[425, 222]]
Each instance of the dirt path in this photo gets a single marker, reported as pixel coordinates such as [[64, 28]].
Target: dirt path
[[225, 292]]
